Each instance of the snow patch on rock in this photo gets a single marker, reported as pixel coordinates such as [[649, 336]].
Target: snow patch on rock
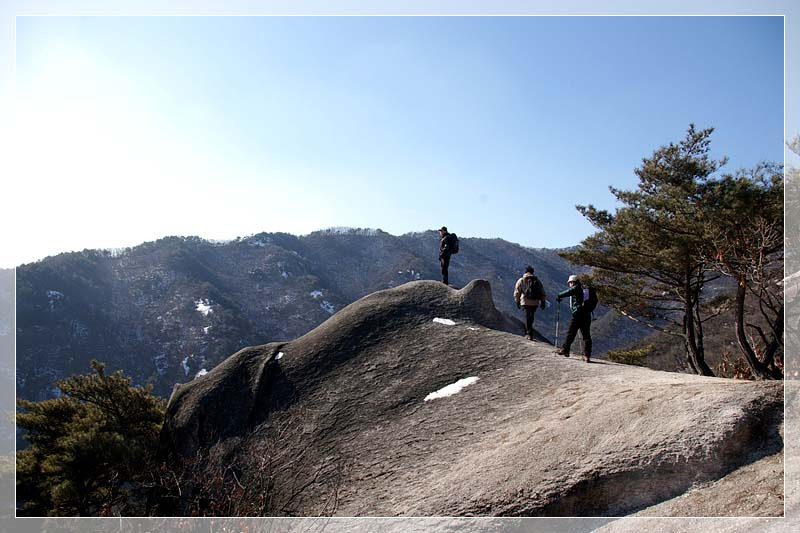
[[451, 389]]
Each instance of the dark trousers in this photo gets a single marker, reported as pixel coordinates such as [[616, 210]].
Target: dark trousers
[[530, 312], [580, 321], [445, 262]]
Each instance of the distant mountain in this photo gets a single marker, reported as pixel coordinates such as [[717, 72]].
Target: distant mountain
[[7, 429], [168, 310]]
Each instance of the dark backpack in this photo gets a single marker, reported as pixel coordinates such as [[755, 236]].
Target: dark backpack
[[453, 248], [532, 288], [589, 298]]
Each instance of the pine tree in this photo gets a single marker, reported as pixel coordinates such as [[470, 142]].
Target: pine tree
[[745, 242], [88, 447], [648, 256]]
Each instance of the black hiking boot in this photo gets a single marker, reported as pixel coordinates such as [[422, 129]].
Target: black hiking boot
[[562, 352], [585, 358]]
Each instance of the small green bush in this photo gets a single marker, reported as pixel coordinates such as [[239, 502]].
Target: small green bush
[[634, 356]]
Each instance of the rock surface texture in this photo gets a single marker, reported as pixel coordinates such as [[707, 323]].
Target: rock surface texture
[[340, 415]]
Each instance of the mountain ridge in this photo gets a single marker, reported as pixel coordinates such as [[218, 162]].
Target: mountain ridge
[[169, 309]]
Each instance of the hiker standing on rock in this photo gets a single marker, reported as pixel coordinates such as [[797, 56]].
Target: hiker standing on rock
[[529, 295], [582, 305], [447, 247]]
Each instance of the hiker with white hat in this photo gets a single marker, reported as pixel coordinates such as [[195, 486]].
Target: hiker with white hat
[[582, 302]]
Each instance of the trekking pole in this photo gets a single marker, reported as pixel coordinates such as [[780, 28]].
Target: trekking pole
[[558, 314]]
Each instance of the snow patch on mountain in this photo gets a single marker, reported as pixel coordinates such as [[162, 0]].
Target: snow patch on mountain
[[204, 307], [55, 296], [79, 329], [259, 242], [413, 274], [345, 230]]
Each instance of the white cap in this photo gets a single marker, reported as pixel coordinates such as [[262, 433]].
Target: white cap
[[572, 278]]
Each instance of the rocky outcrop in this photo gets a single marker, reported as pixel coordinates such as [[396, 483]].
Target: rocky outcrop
[[252, 383], [346, 414]]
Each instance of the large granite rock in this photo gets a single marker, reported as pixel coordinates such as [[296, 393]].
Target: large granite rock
[[345, 418]]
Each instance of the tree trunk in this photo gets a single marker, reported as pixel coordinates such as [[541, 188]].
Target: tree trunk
[[759, 369], [772, 347], [693, 351], [689, 357]]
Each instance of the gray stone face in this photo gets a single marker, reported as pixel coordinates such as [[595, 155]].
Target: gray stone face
[[345, 411]]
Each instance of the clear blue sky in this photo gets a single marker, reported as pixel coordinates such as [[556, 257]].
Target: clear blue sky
[[136, 128]]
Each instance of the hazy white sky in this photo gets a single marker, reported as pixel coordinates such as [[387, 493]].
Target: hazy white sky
[[128, 129]]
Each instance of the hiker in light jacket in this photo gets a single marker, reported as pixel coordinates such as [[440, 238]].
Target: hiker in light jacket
[[529, 295], [581, 318]]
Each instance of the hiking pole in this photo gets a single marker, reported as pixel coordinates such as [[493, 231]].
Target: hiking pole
[[558, 314]]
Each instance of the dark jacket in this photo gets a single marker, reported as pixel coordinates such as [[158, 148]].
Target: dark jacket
[[445, 245], [575, 294]]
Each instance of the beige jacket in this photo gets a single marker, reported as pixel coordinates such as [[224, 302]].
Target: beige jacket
[[520, 299]]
